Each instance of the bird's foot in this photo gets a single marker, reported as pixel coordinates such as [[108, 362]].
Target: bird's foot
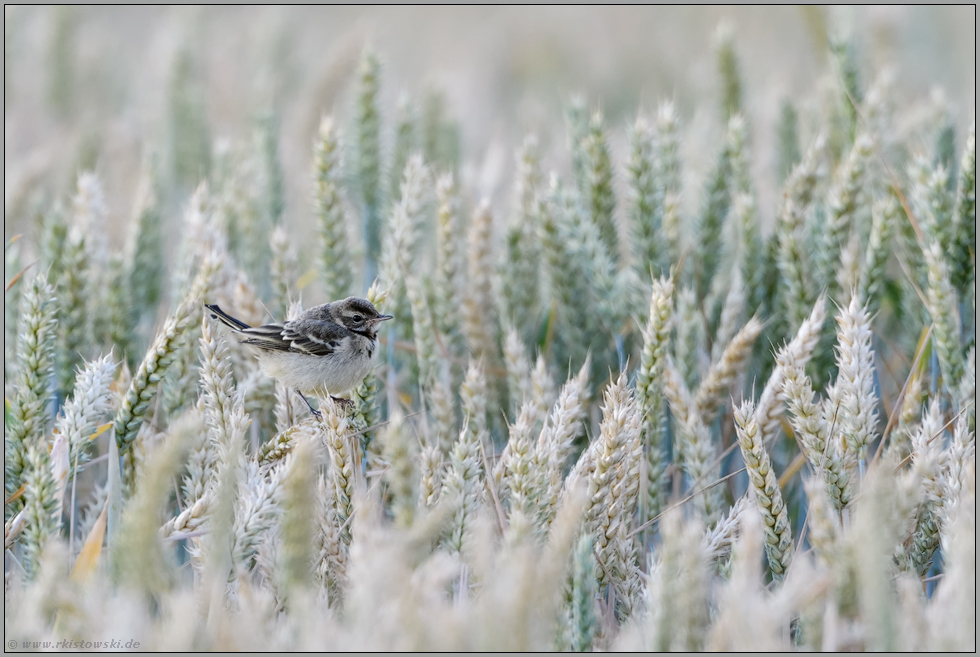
[[317, 414], [347, 404]]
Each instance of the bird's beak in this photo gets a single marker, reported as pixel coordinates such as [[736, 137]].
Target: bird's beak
[[382, 318]]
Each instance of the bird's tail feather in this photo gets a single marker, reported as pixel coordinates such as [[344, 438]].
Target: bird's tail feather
[[225, 318]]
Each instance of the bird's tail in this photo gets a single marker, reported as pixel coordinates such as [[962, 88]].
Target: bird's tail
[[225, 318]]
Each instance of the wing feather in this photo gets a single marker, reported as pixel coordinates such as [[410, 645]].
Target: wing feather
[[306, 337]]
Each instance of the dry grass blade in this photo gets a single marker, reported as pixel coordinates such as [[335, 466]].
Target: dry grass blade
[[13, 281], [684, 501], [897, 407]]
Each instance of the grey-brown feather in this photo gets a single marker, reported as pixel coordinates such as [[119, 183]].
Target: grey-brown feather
[[326, 350]]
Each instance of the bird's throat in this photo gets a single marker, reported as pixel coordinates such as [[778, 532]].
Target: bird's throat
[[369, 334]]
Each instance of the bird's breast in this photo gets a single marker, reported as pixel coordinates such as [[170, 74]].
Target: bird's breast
[[337, 373]]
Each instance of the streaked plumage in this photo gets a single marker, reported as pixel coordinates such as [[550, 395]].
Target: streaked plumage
[[327, 350]]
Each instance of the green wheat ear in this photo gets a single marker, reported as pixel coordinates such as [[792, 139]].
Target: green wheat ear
[[29, 414], [645, 219], [965, 224], [650, 394], [728, 70], [189, 133], [578, 623], [600, 197], [440, 134], [62, 83], [267, 144], [74, 336], [520, 275], [788, 139], [367, 159], [146, 265], [41, 512], [406, 143], [335, 269], [160, 356], [845, 56]]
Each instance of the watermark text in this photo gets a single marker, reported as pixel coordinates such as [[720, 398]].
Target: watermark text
[[69, 644]]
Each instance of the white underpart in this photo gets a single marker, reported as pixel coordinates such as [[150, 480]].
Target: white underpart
[[334, 374]]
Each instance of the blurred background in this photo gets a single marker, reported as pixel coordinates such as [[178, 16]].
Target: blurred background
[[109, 89]]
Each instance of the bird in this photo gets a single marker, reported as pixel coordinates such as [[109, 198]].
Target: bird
[[326, 350]]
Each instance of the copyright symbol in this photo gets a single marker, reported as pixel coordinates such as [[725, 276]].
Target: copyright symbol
[[12, 644]]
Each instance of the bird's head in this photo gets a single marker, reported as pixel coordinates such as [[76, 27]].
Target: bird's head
[[358, 315]]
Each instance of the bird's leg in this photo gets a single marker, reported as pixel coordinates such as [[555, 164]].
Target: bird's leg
[[317, 414], [346, 403]]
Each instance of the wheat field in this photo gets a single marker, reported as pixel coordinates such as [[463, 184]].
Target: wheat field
[[683, 351]]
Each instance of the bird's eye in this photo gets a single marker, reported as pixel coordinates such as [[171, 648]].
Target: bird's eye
[[358, 318]]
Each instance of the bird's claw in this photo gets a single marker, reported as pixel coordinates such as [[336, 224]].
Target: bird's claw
[[347, 404], [317, 414]]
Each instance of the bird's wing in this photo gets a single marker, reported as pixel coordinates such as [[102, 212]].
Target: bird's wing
[[316, 338], [267, 337], [308, 337]]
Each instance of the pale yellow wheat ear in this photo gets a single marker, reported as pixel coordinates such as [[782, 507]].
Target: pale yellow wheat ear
[[717, 542], [463, 485], [88, 407], [555, 442], [813, 429], [855, 379], [949, 621], [762, 479], [770, 408], [478, 304], [337, 433], [614, 491], [399, 449], [722, 373], [518, 370], [677, 613], [141, 555], [524, 481], [198, 483], [747, 619], [823, 523]]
